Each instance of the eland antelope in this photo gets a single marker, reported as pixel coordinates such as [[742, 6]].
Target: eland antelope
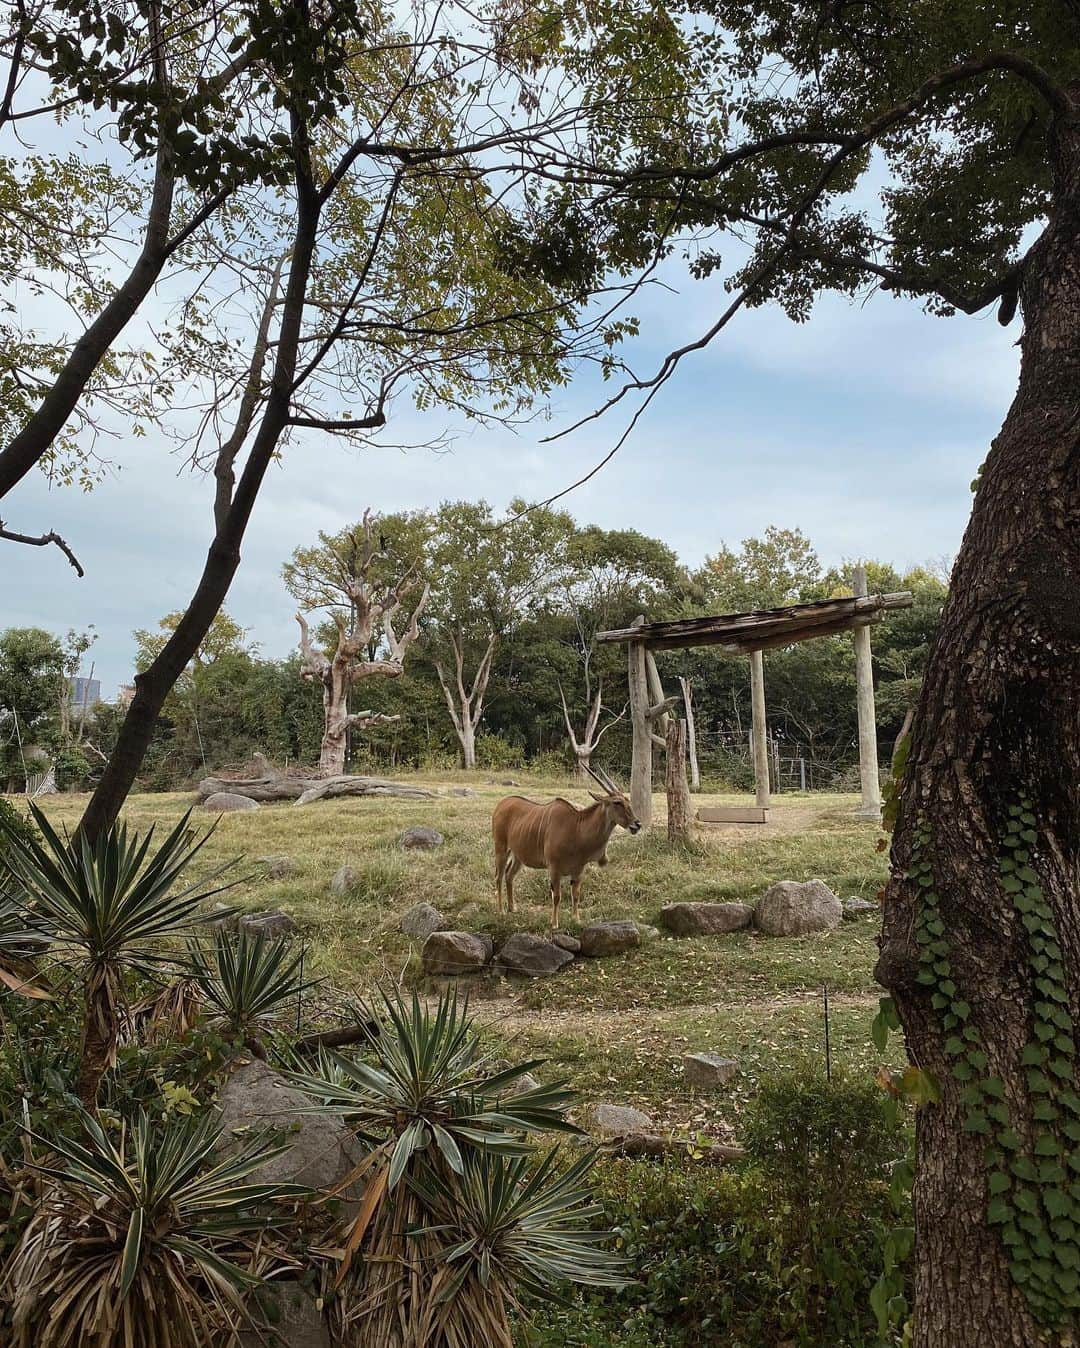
[[557, 837]]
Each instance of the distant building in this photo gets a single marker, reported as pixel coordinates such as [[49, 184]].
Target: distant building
[[84, 694]]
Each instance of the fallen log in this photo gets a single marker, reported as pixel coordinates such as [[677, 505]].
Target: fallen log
[[652, 1146], [349, 1034], [301, 790], [329, 787]]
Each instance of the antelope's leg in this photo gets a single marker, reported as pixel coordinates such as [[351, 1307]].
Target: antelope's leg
[[555, 880], [500, 874], [512, 868], [575, 895]]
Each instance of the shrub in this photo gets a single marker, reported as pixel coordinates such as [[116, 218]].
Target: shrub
[[497, 755], [112, 903], [72, 769], [460, 1216], [147, 1239], [783, 1250], [14, 826]]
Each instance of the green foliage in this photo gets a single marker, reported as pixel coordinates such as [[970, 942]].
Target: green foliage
[[1031, 1157], [13, 825], [112, 904], [150, 1236], [454, 1187], [768, 1253], [247, 979]]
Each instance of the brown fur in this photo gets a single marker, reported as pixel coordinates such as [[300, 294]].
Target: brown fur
[[557, 837]]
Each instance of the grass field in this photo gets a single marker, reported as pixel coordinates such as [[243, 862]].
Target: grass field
[[617, 1027]]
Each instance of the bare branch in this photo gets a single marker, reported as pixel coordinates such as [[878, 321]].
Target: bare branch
[[43, 541]]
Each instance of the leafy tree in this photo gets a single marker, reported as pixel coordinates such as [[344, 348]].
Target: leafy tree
[[488, 576], [933, 151], [419, 226], [32, 684], [779, 568], [224, 637]]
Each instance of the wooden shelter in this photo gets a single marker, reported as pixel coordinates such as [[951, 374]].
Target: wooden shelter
[[750, 634]]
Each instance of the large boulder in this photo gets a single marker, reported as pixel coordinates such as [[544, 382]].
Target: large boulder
[[321, 1150], [532, 956], [421, 838], [708, 1070], [705, 919], [297, 1321], [421, 920], [456, 952], [222, 802], [609, 938], [272, 924], [797, 908], [616, 1120]]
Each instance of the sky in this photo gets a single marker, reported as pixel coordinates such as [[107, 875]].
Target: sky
[[863, 428]]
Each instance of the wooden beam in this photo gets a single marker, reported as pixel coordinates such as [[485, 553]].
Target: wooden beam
[[757, 705], [864, 691], [641, 766], [739, 633], [733, 814]]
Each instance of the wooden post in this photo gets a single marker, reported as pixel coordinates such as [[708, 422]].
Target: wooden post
[[691, 734], [761, 750], [678, 792], [641, 768], [870, 807]]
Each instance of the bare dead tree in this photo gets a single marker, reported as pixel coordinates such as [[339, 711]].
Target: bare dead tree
[[466, 705], [373, 614], [585, 747]]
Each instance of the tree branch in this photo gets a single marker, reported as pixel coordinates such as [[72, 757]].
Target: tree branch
[[43, 541]]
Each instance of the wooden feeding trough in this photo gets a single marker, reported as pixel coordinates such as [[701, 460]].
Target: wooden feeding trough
[[747, 634], [733, 814]]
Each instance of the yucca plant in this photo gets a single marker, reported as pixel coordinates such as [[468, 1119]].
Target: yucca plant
[[149, 1240], [246, 979], [111, 904], [453, 1221]]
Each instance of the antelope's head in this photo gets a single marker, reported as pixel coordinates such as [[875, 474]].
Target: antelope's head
[[616, 804]]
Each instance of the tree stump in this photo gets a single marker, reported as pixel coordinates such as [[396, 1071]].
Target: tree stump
[[678, 789]]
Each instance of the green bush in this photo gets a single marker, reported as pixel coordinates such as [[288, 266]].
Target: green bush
[[783, 1250], [497, 755], [13, 823], [72, 769]]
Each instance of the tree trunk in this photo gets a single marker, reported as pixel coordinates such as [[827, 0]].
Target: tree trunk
[[691, 734], [335, 686], [467, 736], [678, 792], [998, 724], [155, 683]]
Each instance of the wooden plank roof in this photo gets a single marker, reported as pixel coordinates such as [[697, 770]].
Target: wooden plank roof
[[763, 629]]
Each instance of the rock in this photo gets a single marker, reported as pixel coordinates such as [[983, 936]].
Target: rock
[[648, 933], [532, 956], [525, 1082], [344, 881], [708, 1070], [483, 986], [796, 908], [705, 919], [278, 868], [274, 923], [295, 1321], [421, 920], [456, 952], [222, 915], [609, 938], [321, 1149], [508, 781], [462, 791], [614, 1120], [421, 838], [222, 802], [566, 942], [855, 907]]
